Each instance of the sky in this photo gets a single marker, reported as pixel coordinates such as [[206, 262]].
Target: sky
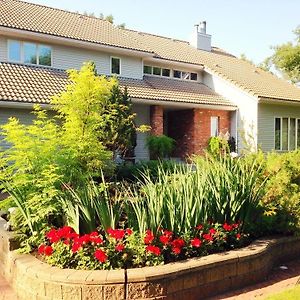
[[247, 27]]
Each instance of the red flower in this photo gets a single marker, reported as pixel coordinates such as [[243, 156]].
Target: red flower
[[176, 250], [212, 231], [149, 237], [117, 234], [65, 232], [100, 255], [76, 247], [48, 250], [53, 236], [208, 237], [199, 227], [120, 247], [227, 227], [178, 243], [153, 249], [168, 233], [238, 236], [128, 231], [95, 238], [41, 249], [164, 239], [195, 242]]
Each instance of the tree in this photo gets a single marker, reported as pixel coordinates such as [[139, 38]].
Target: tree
[[286, 58]]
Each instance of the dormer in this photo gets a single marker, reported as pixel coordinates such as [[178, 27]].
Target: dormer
[[200, 39]]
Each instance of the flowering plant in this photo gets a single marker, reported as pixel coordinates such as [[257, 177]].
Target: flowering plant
[[125, 248]]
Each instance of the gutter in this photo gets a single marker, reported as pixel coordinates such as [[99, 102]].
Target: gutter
[[65, 41], [22, 105], [278, 101]]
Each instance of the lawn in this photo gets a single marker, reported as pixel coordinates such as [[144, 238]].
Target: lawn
[[290, 294]]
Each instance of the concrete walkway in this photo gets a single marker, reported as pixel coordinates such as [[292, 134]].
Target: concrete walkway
[[6, 292], [279, 280]]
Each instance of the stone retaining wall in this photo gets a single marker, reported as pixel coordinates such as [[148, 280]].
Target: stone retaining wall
[[192, 279]]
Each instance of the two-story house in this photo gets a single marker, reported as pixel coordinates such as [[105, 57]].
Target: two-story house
[[188, 90]]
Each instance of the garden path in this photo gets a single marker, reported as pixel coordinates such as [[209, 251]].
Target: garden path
[[6, 292], [278, 280]]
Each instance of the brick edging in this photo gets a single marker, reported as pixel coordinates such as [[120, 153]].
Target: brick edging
[[195, 278]]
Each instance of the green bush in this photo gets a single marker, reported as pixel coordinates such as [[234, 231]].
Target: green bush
[[160, 146], [217, 145]]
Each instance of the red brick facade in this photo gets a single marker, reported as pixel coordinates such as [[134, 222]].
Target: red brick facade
[[157, 119], [190, 128]]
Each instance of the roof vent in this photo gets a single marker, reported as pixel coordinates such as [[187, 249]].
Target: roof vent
[[200, 39]]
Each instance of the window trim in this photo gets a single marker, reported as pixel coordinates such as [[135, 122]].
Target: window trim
[[288, 137], [22, 56], [119, 58]]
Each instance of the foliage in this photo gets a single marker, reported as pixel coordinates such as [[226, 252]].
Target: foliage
[[160, 146], [90, 206], [286, 58], [222, 190], [134, 172], [64, 150], [217, 145], [125, 248]]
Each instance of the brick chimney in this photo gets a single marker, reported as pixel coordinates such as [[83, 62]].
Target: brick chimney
[[200, 39]]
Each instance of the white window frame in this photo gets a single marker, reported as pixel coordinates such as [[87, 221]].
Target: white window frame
[[212, 134], [119, 58], [296, 130], [22, 56]]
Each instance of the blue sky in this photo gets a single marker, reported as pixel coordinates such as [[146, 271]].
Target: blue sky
[[238, 26]]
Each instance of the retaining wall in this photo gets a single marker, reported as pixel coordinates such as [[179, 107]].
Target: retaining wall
[[195, 278]]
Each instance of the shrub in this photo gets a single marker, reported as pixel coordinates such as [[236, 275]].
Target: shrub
[[160, 146], [218, 145]]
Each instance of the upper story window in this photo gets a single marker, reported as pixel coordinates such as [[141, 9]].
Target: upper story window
[[158, 71], [287, 134], [115, 65], [29, 53]]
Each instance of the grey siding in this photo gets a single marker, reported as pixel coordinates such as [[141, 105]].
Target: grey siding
[[142, 118], [266, 119], [23, 115]]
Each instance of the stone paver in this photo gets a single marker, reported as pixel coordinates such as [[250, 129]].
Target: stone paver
[[6, 292], [278, 280]]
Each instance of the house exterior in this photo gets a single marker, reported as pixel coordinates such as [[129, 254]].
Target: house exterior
[[187, 90]]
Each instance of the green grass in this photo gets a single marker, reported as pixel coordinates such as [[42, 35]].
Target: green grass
[[290, 294]]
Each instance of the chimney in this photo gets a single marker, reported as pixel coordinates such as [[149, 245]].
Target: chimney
[[200, 39]]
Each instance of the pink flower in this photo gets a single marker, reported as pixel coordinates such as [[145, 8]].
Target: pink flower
[[100, 255], [153, 249], [195, 242]]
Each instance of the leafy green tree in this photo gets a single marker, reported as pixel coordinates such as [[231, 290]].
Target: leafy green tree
[[286, 58]]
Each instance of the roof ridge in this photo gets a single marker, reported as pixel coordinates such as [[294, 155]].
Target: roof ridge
[[59, 9]]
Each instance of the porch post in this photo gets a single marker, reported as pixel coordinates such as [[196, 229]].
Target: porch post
[[157, 119]]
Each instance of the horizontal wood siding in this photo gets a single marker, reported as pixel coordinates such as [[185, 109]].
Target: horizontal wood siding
[[266, 115], [142, 118]]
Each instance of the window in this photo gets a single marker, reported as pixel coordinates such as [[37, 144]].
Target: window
[[44, 55], [29, 53], [156, 71], [185, 75], [14, 51], [214, 126], [115, 65], [194, 76], [287, 134], [166, 72], [177, 74], [147, 70]]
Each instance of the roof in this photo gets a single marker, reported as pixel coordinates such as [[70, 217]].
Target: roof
[[41, 19], [31, 84]]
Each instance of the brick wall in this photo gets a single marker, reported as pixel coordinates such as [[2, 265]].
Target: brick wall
[[157, 119], [191, 129]]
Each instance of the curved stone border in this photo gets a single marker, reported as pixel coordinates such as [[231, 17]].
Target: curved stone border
[[195, 278]]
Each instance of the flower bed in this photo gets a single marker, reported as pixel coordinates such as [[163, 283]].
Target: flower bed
[[190, 279], [124, 248]]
